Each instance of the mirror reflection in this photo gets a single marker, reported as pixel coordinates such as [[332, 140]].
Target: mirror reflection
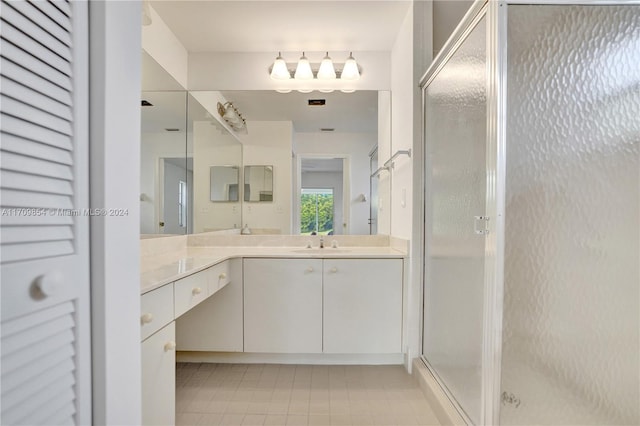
[[224, 183], [258, 183], [197, 175]]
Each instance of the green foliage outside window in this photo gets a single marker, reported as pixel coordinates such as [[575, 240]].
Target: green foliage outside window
[[316, 213]]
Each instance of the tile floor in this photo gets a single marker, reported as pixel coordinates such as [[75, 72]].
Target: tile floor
[[258, 394]]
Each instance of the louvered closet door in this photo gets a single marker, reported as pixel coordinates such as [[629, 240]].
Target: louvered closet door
[[45, 358]]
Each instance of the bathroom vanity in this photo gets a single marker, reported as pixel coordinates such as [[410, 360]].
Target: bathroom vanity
[[266, 304]]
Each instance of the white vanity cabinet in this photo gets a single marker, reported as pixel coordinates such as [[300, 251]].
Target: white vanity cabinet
[[159, 377], [362, 306], [215, 325], [158, 356], [283, 305]]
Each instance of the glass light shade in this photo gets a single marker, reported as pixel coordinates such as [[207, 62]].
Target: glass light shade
[[326, 71], [305, 90], [350, 70], [279, 70], [303, 70]]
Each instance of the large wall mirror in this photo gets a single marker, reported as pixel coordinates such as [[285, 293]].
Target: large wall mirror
[[302, 154]]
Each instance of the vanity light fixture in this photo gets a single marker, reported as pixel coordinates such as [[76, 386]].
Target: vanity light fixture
[[350, 71], [232, 117], [303, 70], [306, 79], [279, 70], [326, 71]]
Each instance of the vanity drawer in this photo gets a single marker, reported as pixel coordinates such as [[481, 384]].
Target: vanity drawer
[[219, 276], [190, 291], [156, 310]]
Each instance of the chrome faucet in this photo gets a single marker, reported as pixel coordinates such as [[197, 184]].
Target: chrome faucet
[[321, 242]]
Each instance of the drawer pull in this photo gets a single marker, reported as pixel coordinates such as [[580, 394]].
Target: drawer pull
[[310, 269], [333, 270], [222, 276], [196, 291], [146, 318], [169, 346]]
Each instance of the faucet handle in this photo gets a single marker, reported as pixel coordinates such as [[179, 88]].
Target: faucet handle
[[308, 243]]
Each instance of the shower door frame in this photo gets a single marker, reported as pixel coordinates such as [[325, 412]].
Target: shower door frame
[[495, 14]]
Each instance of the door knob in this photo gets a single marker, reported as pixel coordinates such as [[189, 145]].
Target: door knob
[[222, 276], [146, 318], [310, 269], [333, 270], [46, 285], [169, 346], [196, 291]]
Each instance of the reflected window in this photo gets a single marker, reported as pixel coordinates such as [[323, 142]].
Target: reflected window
[[182, 204], [316, 211]]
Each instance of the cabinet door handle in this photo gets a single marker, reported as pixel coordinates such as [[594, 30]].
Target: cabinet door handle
[[146, 318], [169, 346], [310, 269], [196, 291], [333, 270], [222, 276]]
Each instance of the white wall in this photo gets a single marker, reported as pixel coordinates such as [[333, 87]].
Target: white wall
[[410, 57], [164, 47], [212, 148], [356, 146], [384, 153], [446, 17], [329, 180], [115, 178], [268, 143]]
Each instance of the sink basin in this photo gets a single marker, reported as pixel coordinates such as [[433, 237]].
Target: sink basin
[[320, 251]]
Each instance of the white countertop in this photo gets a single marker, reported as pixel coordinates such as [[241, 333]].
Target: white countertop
[[166, 269]]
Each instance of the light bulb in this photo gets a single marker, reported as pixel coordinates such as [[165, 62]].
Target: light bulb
[[279, 70], [303, 70], [350, 70], [326, 71]]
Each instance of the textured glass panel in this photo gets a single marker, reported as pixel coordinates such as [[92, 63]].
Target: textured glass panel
[[571, 319], [455, 113]]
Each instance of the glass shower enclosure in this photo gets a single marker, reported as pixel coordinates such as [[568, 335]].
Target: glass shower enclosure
[[532, 214]]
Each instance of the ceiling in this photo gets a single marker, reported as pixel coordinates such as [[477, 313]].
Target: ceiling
[[272, 26]]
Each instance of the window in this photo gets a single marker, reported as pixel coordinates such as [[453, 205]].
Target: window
[[182, 204], [316, 211]]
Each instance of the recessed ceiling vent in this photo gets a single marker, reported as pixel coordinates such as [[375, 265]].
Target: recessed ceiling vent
[[327, 129], [317, 102], [172, 129], [146, 103]]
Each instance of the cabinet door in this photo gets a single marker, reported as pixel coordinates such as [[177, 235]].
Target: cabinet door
[[215, 324], [159, 378], [283, 305], [362, 306]]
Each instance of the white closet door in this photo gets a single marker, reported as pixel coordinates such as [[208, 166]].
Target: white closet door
[[44, 226]]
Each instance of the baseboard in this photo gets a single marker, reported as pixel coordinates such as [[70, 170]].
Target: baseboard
[[443, 408], [267, 358]]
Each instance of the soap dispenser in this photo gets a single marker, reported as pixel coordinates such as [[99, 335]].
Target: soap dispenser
[[245, 230]]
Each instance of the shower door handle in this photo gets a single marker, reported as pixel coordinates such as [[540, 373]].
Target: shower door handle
[[481, 225]]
